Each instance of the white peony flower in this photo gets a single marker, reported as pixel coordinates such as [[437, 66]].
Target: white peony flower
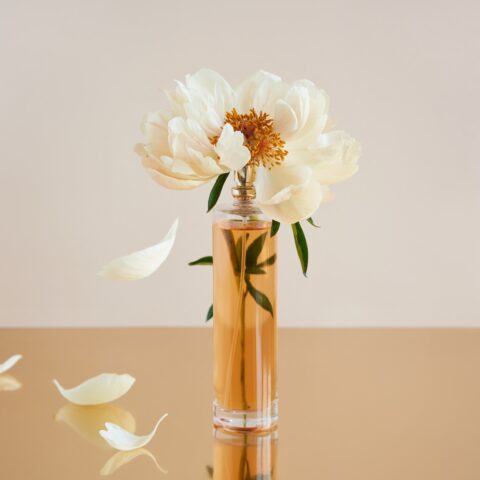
[[281, 129], [179, 153]]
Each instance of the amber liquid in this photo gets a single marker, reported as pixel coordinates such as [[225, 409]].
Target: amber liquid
[[245, 457], [245, 332]]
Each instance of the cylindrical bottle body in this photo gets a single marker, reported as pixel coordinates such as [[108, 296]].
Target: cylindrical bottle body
[[245, 320], [245, 455]]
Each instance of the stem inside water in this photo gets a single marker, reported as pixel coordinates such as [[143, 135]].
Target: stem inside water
[[243, 296], [242, 345]]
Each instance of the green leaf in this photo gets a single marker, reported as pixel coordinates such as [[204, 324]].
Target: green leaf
[[255, 270], [275, 228], [301, 244], [216, 190], [209, 313], [311, 222], [254, 250], [208, 260], [228, 235], [269, 261], [239, 248], [259, 297]]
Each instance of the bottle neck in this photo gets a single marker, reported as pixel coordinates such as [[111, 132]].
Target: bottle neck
[[243, 191], [244, 208]]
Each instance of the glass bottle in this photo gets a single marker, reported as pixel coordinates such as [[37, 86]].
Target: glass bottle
[[244, 456], [245, 312]]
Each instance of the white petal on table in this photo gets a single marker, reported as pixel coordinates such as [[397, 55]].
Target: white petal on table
[[9, 363], [120, 439], [120, 459], [9, 383], [103, 388], [143, 263]]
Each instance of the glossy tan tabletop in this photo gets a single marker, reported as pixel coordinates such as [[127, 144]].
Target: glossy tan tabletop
[[354, 404]]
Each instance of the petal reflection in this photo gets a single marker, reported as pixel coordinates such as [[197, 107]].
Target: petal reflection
[[122, 458], [9, 383], [88, 420]]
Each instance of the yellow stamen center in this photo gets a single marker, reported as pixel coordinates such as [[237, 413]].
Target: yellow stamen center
[[265, 145]]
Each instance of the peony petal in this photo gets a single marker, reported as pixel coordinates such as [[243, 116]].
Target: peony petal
[[205, 97], [261, 92], [187, 133], [288, 194], [88, 420], [190, 144], [171, 173], [9, 383], [155, 129], [120, 459], [143, 263], [335, 157], [285, 119], [120, 439], [103, 388], [310, 105], [9, 363], [209, 164], [172, 167], [174, 183], [231, 150]]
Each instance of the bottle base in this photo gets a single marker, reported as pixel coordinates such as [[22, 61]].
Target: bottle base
[[246, 421]]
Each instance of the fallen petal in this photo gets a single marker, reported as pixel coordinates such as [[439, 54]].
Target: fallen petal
[[8, 383], [120, 439], [9, 363], [103, 388], [120, 459], [87, 420], [143, 263]]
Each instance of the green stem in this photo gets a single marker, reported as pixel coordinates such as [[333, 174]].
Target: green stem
[[243, 287], [242, 345]]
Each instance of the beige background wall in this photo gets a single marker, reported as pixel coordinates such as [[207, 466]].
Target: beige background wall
[[399, 246]]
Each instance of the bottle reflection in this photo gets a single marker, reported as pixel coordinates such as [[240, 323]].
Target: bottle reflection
[[8, 383], [244, 456]]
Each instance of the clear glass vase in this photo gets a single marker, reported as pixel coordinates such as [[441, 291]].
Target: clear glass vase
[[245, 319]]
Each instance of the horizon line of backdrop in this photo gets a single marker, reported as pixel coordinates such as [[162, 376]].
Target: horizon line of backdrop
[[397, 247]]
